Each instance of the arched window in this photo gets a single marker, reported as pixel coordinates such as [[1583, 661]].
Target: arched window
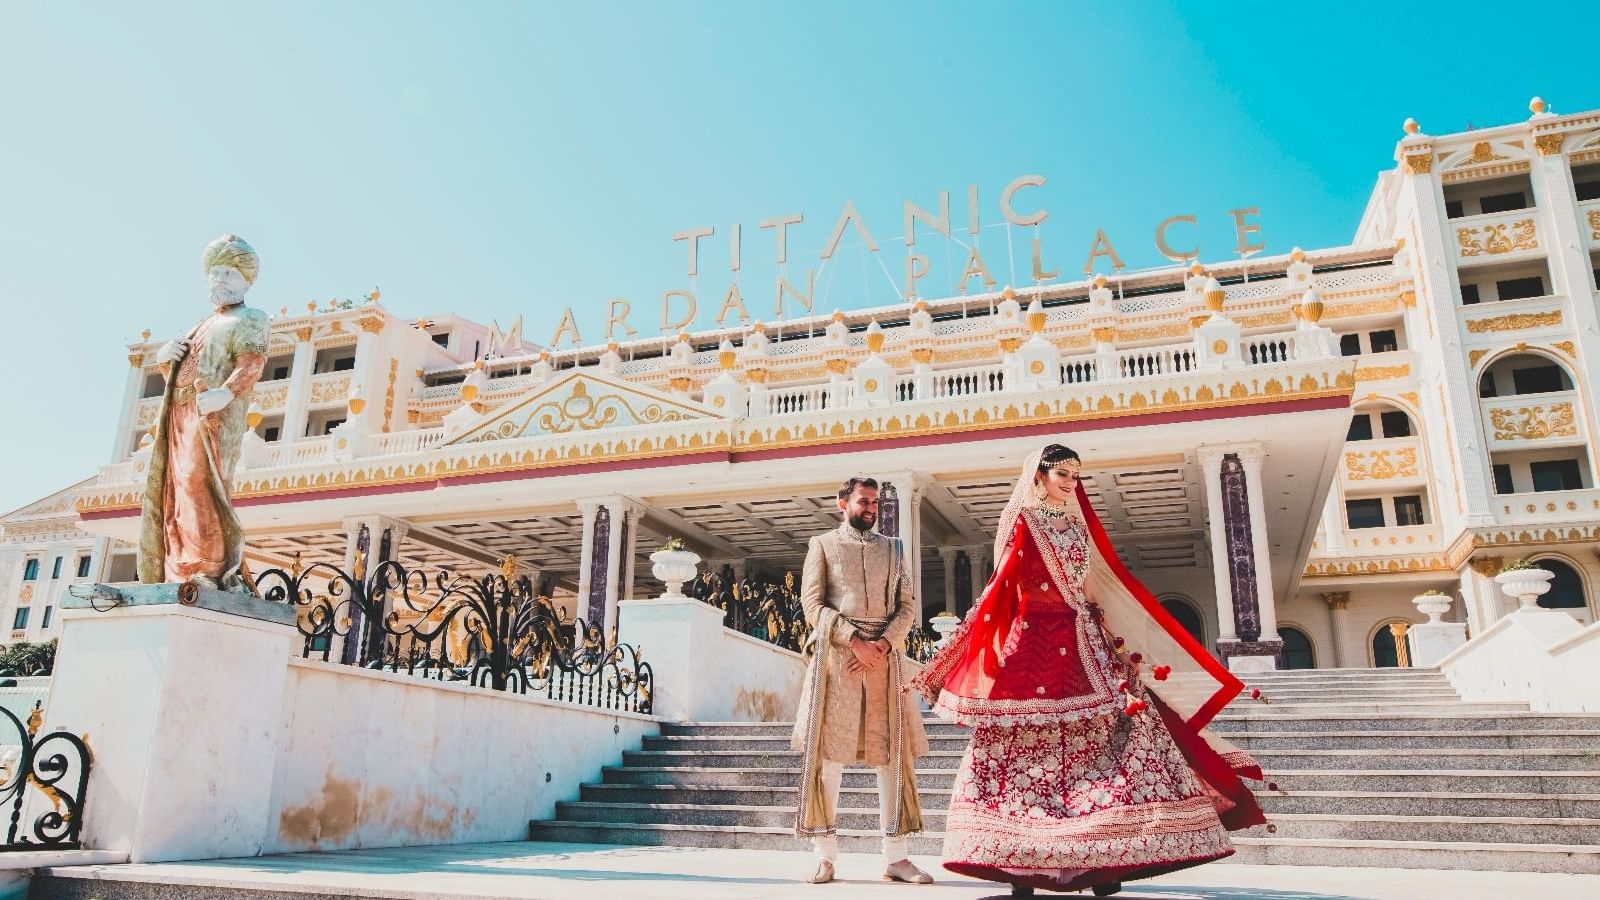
[[1524, 373], [1566, 589], [1297, 652], [1388, 648], [1187, 616]]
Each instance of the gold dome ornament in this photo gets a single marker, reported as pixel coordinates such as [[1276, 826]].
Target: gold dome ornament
[[1311, 306], [355, 401], [1036, 316], [875, 337], [1214, 296], [475, 382], [1411, 127], [726, 355], [1536, 105], [253, 416], [1297, 255]]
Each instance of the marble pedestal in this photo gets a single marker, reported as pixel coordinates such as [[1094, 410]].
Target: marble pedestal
[[681, 639], [178, 693], [1251, 656], [1430, 642]]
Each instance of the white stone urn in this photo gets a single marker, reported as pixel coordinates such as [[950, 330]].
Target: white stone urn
[[945, 624], [1526, 585], [1433, 605], [674, 567]]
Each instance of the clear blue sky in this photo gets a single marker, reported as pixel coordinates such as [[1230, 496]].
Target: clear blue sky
[[496, 159]]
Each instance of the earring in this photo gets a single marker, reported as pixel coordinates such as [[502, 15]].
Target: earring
[[1039, 492]]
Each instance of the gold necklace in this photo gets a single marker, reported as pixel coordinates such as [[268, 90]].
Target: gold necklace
[[1053, 511]]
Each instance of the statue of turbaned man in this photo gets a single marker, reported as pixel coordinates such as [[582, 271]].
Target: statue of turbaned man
[[189, 531]]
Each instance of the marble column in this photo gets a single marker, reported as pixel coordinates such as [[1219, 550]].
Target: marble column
[[964, 581], [297, 397], [369, 541], [1338, 625], [905, 521], [124, 442], [1211, 477], [1482, 598], [1245, 578], [609, 526], [948, 556]]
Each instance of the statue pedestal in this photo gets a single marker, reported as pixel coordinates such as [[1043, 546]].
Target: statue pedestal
[[680, 637], [1433, 641], [1250, 656], [178, 693]]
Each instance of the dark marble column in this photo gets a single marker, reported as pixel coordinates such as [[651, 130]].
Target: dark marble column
[[963, 583], [1241, 563], [599, 567], [888, 510]]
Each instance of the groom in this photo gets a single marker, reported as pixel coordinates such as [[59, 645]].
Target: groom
[[856, 590]]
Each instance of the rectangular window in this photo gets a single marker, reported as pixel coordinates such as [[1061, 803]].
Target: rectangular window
[[1349, 345], [1469, 294], [270, 434], [1518, 288], [1536, 380], [1383, 341], [1486, 386], [1502, 479], [1364, 513], [442, 340], [30, 570], [1498, 203], [1556, 475], [1360, 428], [331, 425], [21, 621], [1452, 209], [1588, 190], [55, 570], [344, 364], [279, 373], [1396, 424], [83, 566], [45, 621], [1408, 510]]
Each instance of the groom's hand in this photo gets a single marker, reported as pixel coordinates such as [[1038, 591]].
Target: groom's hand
[[868, 655]]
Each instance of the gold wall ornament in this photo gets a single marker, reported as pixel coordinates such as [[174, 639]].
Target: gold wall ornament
[[303, 333], [1419, 163], [838, 366], [1495, 240], [1336, 599], [1566, 347], [388, 394], [1380, 373], [1594, 224], [871, 385], [1408, 299], [26, 594], [1487, 566], [1010, 344], [1366, 308], [136, 360], [1515, 322], [1219, 347], [1104, 334], [1532, 423], [1380, 465], [1548, 144], [333, 390], [1398, 631], [1474, 355], [1482, 152], [923, 355], [1037, 368]]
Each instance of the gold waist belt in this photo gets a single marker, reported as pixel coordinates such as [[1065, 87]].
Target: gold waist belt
[[182, 395]]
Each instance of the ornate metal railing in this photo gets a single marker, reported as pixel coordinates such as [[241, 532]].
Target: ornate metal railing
[[755, 606], [920, 644], [53, 769], [492, 631]]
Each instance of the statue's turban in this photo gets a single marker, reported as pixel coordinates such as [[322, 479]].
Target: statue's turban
[[231, 250]]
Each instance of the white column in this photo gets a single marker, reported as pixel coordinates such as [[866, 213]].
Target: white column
[[948, 554], [1211, 474], [1337, 626], [1570, 265], [622, 510], [123, 442], [1251, 457], [589, 508], [1333, 518], [297, 397], [1480, 595], [630, 554]]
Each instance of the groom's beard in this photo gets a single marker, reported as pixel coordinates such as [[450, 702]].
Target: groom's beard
[[863, 523]]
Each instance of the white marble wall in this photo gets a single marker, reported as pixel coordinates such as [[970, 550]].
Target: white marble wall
[[1540, 656], [374, 759]]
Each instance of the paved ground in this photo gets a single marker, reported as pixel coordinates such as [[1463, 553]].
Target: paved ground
[[543, 871]]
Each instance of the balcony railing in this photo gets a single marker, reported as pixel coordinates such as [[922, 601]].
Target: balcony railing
[[330, 388], [1544, 506], [1497, 236], [1532, 420]]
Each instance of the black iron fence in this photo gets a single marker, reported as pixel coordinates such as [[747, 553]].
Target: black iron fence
[[52, 769], [490, 631], [762, 608]]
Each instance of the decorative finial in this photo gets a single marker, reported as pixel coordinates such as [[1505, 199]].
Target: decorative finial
[[1214, 295], [508, 566], [1311, 306], [1411, 126], [1297, 255], [1196, 269], [1536, 105], [311, 306], [1099, 281], [875, 337], [838, 316], [1008, 293], [145, 334], [726, 355]]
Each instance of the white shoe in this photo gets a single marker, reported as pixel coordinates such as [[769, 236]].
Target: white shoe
[[824, 872]]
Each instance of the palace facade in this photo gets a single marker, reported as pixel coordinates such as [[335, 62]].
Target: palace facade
[[1287, 450]]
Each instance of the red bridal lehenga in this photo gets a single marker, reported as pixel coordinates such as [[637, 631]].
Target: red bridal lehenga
[[1089, 763]]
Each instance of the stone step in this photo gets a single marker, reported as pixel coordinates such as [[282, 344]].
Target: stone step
[[1417, 855], [1585, 760], [852, 818], [1270, 759], [1485, 829], [762, 838], [1290, 780], [1342, 673], [1228, 723], [1354, 803], [1258, 710], [1419, 740], [1246, 740], [1471, 781], [1349, 695]]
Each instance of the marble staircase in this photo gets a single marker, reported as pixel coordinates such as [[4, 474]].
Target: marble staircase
[[1376, 767]]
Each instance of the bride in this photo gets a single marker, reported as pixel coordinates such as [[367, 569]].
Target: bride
[[1089, 765]]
